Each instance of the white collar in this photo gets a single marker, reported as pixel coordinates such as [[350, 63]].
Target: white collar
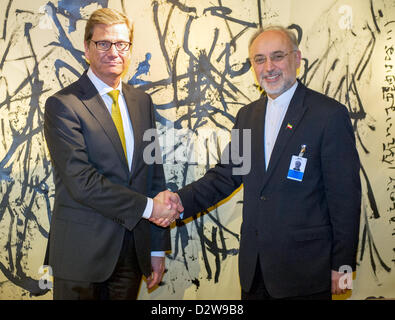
[[101, 87], [285, 98]]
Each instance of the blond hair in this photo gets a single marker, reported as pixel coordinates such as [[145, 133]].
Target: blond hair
[[109, 17]]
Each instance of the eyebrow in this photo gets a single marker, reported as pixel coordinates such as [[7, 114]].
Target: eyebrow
[[111, 41], [277, 51], [274, 52]]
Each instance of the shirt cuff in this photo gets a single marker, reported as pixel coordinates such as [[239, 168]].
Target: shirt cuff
[[157, 253], [148, 209]]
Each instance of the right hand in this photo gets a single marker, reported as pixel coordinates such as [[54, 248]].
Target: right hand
[[167, 208]]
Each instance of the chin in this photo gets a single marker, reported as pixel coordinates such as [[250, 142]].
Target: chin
[[273, 91], [113, 71]]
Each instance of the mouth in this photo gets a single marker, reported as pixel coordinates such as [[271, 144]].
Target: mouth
[[113, 63], [272, 77]]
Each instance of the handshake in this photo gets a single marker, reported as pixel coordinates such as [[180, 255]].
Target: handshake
[[167, 208]]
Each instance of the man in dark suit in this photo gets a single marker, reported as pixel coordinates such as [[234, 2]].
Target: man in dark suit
[[300, 227], [101, 241]]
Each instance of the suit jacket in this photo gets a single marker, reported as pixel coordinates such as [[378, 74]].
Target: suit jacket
[[299, 230], [97, 197]]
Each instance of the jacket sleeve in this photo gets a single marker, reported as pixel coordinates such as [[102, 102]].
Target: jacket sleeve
[[217, 184], [160, 237], [340, 168]]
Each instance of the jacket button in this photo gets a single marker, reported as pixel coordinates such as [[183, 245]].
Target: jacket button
[[263, 198]]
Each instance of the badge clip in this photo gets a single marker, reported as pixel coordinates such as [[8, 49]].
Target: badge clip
[[302, 150]]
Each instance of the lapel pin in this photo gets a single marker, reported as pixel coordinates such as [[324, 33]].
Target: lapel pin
[[289, 126]]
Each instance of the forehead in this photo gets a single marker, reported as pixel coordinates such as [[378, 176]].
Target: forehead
[[270, 41], [111, 32]]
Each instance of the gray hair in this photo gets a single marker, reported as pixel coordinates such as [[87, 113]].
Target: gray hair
[[290, 34]]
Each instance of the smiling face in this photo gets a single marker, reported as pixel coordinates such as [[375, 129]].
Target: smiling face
[[275, 77], [109, 66]]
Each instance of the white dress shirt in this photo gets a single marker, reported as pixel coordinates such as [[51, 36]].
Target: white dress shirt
[[103, 89], [275, 113]]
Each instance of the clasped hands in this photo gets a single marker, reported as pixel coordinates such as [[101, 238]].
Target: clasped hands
[[167, 208]]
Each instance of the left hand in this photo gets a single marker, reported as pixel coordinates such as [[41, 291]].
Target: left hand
[[336, 279], [158, 267]]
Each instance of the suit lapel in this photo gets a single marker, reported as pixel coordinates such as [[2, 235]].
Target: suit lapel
[[95, 104], [134, 115], [295, 112], [258, 133]]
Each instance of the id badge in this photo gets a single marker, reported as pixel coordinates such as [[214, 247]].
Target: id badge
[[296, 168]]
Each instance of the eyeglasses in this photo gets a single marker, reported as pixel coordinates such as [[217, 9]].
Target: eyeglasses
[[106, 45], [274, 57]]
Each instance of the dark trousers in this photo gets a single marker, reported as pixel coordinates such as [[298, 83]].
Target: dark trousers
[[123, 284], [258, 291]]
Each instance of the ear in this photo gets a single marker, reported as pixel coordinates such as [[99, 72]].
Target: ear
[[86, 47], [298, 58]]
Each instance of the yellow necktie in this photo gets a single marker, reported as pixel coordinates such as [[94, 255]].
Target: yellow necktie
[[117, 118]]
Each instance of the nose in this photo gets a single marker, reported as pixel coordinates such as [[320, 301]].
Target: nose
[[112, 51], [268, 65]]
